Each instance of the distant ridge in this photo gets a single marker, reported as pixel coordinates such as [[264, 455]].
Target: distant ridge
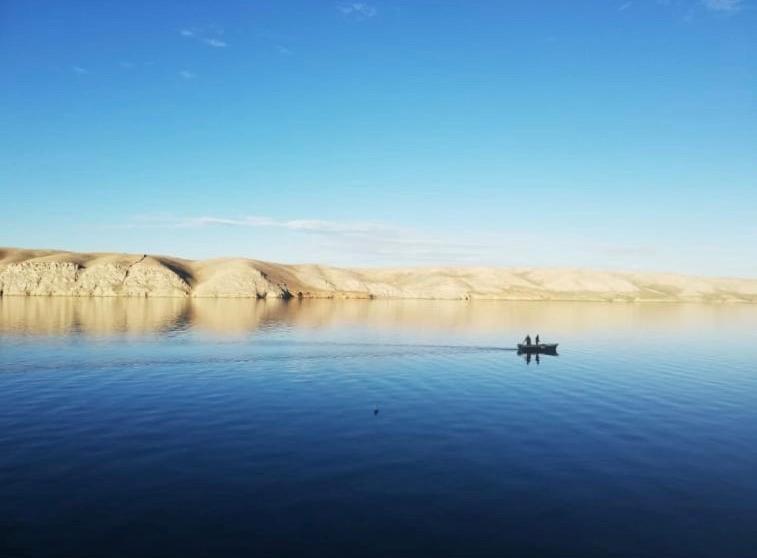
[[60, 273]]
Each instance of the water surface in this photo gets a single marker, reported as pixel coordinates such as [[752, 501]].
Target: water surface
[[373, 428]]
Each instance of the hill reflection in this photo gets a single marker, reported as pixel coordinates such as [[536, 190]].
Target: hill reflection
[[106, 316]]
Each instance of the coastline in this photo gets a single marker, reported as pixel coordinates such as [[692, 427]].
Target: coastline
[[72, 274]]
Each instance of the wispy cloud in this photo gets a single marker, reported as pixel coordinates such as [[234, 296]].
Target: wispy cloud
[[379, 243], [283, 50], [79, 70], [186, 74], [308, 225], [358, 10], [215, 43], [210, 36], [384, 242], [623, 7], [723, 5]]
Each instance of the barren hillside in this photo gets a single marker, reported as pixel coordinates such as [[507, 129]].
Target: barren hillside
[[57, 273]]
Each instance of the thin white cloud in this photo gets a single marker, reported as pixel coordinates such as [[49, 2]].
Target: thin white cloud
[[210, 36], [215, 43], [723, 5], [625, 6], [308, 225], [186, 74], [283, 50], [358, 10], [379, 243], [79, 70], [126, 65], [384, 242]]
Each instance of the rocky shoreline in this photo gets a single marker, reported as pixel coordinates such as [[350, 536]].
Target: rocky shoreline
[[60, 273]]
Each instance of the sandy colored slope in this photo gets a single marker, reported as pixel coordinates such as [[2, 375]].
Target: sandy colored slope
[[48, 272]]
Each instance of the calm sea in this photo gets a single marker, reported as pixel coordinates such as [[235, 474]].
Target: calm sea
[[229, 428]]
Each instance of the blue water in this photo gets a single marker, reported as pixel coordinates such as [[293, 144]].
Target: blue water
[[370, 428]]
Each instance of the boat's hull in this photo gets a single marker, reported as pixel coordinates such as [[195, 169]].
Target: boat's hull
[[540, 348]]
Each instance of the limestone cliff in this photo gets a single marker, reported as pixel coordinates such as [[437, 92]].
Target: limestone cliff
[[46, 272]]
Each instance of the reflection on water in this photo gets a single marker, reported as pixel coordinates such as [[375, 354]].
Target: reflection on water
[[63, 315], [173, 427], [103, 316], [536, 356]]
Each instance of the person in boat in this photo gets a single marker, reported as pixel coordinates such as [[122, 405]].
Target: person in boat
[[537, 338], [527, 340]]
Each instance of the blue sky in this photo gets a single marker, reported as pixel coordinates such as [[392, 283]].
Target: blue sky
[[619, 135]]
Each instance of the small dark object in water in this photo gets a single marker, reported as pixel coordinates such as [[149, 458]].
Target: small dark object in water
[[375, 411], [548, 348]]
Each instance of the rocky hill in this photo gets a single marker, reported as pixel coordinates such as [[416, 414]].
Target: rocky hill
[[57, 273]]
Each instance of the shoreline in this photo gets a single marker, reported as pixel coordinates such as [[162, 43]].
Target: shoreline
[[340, 297], [111, 275]]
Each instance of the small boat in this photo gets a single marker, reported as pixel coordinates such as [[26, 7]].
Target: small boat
[[540, 348]]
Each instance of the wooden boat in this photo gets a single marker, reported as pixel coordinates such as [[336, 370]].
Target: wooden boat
[[540, 348]]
